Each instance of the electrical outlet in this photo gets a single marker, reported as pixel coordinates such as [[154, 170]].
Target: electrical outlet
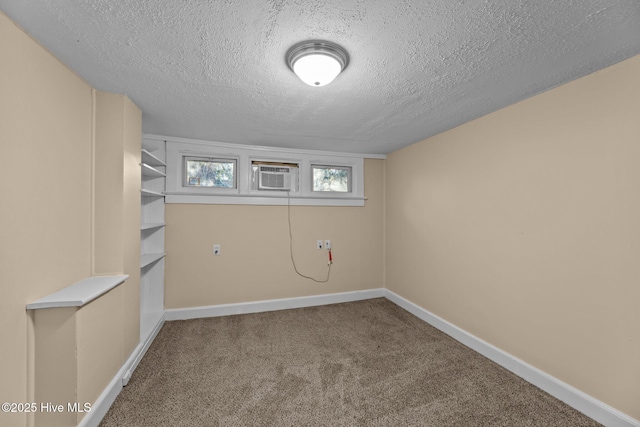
[[216, 249], [319, 244], [327, 244]]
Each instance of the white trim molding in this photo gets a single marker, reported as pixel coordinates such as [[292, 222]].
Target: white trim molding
[[263, 148], [588, 405], [271, 305]]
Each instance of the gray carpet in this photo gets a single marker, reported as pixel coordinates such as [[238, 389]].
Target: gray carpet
[[367, 363]]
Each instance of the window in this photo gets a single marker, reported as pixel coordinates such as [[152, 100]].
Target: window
[[331, 178], [203, 172], [209, 172]]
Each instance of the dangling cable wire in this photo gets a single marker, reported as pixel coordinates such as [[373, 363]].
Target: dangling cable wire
[[291, 248]]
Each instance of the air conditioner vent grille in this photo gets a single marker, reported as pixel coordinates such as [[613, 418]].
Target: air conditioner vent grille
[[272, 180], [275, 177], [274, 169]]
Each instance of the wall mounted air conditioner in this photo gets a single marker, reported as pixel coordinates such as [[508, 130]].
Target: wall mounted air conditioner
[[280, 177]]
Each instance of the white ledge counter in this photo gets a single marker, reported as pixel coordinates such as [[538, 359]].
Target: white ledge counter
[[80, 293]]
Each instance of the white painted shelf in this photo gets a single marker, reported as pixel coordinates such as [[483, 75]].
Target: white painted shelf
[[146, 259], [149, 226], [150, 159], [151, 171], [80, 293], [149, 193]]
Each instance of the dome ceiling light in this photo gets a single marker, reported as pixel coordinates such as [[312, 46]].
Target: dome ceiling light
[[317, 62]]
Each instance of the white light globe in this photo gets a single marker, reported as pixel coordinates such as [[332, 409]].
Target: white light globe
[[317, 69]]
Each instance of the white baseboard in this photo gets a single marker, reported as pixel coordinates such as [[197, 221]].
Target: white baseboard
[[144, 347], [105, 400], [588, 405], [271, 305]]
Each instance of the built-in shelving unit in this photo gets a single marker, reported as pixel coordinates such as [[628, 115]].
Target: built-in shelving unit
[[153, 171]]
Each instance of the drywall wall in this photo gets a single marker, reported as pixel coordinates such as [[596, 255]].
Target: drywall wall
[[132, 144], [45, 182], [55, 375], [108, 171], [116, 224], [522, 228], [49, 164], [108, 328], [255, 261]]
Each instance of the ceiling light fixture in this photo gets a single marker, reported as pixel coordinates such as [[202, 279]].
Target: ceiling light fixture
[[317, 62]]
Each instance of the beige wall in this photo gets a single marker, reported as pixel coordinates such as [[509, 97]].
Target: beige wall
[[55, 375], [132, 137], [255, 265], [108, 328], [46, 227], [45, 183], [108, 183], [522, 227]]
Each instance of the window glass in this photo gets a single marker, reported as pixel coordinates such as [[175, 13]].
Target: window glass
[[331, 178], [205, 172]]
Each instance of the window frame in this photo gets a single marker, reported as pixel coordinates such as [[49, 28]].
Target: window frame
[[244, 193]]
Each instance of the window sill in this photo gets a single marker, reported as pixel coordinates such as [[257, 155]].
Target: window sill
[[267, 199]]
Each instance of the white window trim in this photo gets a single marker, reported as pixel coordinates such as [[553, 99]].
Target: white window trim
[[243, 194]]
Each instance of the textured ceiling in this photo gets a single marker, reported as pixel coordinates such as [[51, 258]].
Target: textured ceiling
[[215, 70]]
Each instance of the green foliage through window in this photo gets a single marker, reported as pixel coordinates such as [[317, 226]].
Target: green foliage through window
[[332, 178], [202, 172]]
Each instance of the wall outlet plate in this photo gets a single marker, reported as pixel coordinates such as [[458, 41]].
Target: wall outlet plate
[[327, 244], [319, 244], [216, 249]]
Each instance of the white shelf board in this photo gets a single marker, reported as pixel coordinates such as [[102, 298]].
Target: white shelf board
[[149, 193], [151, 171], [150, 225], [146, 259], [150, 159], [80, 293]]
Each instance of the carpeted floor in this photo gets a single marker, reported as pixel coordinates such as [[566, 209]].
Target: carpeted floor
[[366, 363]]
